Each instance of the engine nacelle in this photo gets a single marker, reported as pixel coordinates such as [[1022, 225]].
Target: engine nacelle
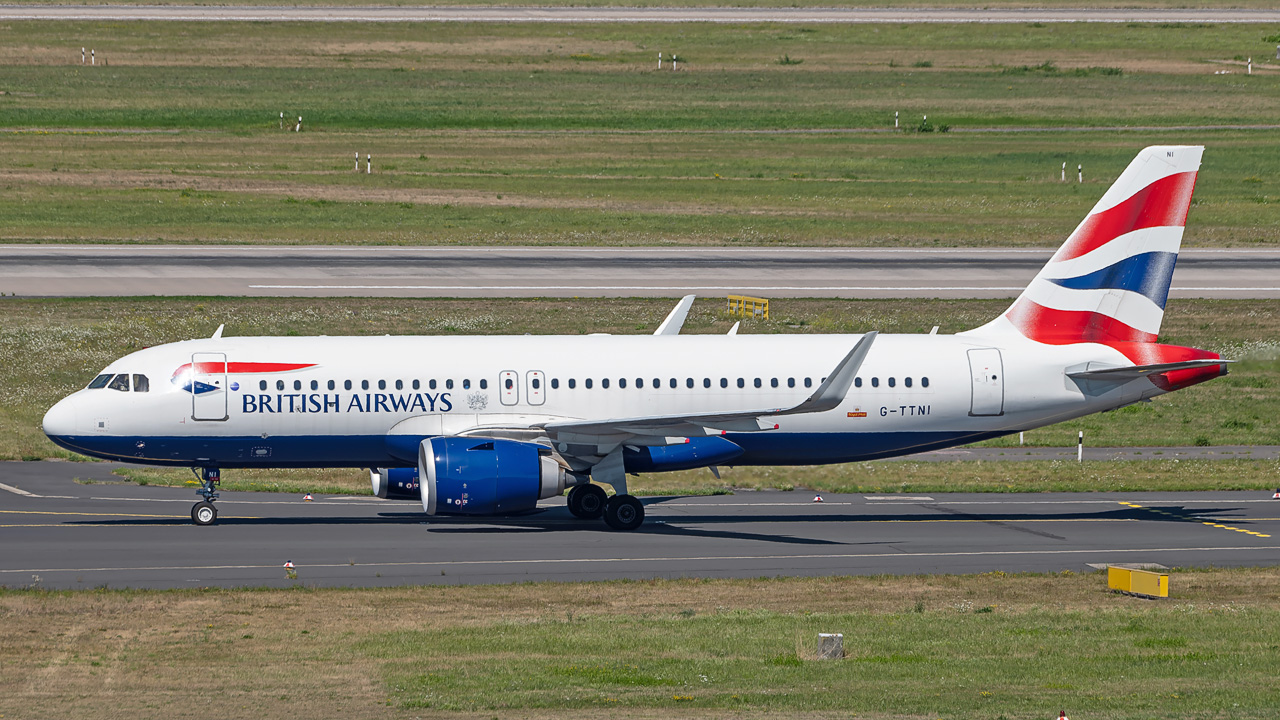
[[481, 476], [395, 483]]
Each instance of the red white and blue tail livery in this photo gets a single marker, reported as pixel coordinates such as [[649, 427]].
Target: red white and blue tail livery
[[493, 424]]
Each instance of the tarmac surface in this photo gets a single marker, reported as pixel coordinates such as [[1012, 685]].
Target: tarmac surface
[[631, 14], [331, 271], [59, 533]]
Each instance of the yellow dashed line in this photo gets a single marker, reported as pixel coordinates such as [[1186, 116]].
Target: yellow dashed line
[[1203, 522]]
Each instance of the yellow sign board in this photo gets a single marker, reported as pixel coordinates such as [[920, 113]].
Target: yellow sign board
[[1138, 582]]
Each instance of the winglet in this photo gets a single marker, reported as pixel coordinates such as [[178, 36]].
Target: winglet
[[675, 319], [831, 392], [734, 330]]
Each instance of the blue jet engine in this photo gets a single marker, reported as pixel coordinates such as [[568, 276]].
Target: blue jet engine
[[484, 476], [395, 483]]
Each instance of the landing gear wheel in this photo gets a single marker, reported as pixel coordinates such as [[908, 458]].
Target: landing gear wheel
[[587, 501], [204, 513], [623, 512]]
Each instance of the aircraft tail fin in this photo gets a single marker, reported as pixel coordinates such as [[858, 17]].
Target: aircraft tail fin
[[1109, 281]]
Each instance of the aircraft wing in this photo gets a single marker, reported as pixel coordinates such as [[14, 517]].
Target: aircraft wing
[[1133, 372], [828, 396]]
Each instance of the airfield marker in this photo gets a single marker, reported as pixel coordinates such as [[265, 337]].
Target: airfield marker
[[1064, 172], [282, 121], [298, 128], [357, 161], [368, 167], [660, 58], [895, 119], [1250, 72], [1080, 173], [82, 54], [1080, 447], [673, 61], [93, 57]]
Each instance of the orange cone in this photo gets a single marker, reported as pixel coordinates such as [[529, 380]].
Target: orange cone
[[288, 564], [1062, 715], [817, 498], [307, 498], [1276, 496]]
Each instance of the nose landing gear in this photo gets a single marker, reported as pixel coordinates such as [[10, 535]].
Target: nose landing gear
[[203, 512]]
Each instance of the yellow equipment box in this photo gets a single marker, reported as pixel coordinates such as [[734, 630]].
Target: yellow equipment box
[[1138, 582]]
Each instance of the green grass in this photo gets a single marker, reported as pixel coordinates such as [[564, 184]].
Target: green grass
[[565, 134], [76, 338], [991, 645]]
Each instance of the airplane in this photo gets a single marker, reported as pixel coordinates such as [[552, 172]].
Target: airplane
[[490, 425]]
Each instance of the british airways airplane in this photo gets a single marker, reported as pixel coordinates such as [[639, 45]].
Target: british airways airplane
[[491, 425]]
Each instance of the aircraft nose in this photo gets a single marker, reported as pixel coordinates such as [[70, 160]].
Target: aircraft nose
[[61, 419]]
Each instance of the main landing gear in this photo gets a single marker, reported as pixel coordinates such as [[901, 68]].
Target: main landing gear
[[203, 512], [620, 512]]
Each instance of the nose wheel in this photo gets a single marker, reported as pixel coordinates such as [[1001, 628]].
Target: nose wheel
[[203, 512]]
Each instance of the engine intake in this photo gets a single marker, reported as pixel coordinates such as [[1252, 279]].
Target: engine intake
[[395, 483], [482, 476]]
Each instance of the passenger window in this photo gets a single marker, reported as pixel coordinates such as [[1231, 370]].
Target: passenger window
[[297, 384], [555, 383], [742, 383], [315, 385], [605, 383], [331, 384], [622, 383], [791, 382], [757, 382], [509, 383], [448, 384], [399, 384], [773, 382], [364, 384], [484, 384], [906, 381], [537, 383], [724, 382], [262, 384], [466, 384], [857, 382], [924, 382], [141, 384], [875, 382], [279, 384], [892, 382], [120, 382], [101, 382], [587, 383], [572, 383], [673, 383], [382, 384], [417, 385], [688, 382], [431, 384], [657, 383], [639, 383], [346, 384], [808, 382], [706, 382]]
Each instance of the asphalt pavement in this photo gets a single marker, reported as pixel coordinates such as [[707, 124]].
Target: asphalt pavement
[[60, 533], [334, 271]]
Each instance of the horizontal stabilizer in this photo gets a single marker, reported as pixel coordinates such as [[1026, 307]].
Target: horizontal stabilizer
[[1133, 372], [675, 319]]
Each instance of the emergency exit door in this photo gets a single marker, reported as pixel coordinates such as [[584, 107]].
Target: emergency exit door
[[208, 384], [987, 372]]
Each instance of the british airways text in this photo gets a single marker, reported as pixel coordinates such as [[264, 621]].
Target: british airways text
[[357, 403]]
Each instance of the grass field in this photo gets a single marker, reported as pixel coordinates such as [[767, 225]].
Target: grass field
[[989, 646], [1065, 4], [75, 338], [567, 134]]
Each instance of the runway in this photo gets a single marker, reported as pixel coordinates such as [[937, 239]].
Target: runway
[[332, 271], [630, 14], [60, 534]]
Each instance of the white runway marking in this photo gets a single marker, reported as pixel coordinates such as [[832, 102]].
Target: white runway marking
[[708, 558], [15, 491]]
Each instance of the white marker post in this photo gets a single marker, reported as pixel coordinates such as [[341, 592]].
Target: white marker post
[[1250, 66], [1080, 448], [1080, 173], [357, 161], [368, 164], [673, 61], [895, 119], [282, 121], [93, 57], [298, 127], [1064, 172], [82, 54], [1021, 438], [659, 61]]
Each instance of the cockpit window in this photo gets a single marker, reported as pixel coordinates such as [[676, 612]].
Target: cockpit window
[[120, 382], [100, 381], [141, 383]]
